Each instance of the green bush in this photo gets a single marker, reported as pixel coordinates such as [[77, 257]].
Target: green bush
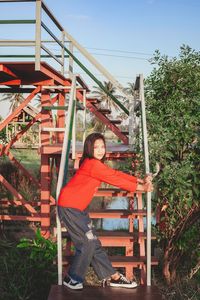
[[27, 269]]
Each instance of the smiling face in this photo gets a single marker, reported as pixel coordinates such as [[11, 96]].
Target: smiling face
[[99, 149]]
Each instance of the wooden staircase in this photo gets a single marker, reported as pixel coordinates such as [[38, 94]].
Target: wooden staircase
[[51, 149], [39, 78], [51, 145]]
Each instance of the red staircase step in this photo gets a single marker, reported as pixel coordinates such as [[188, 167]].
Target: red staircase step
[[110, 235], [125, 132], [6, 73], [115, 121], [121, 260], [104, 111], [132, 259], [113, 152], [116, 213], [93, 100]]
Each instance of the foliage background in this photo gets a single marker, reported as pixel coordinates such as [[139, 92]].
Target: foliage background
[[172, 94], [27, 269]]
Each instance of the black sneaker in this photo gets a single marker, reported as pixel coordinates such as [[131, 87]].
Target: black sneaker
[[123, 282], [72, 284]]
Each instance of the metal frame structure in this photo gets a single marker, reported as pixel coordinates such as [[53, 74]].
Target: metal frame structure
[[47, 81]]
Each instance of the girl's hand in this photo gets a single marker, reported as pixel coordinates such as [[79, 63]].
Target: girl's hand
[[146, 187], [148, 178]]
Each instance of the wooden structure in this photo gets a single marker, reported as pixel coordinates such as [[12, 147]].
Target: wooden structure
[[30, 139], [60, 93]]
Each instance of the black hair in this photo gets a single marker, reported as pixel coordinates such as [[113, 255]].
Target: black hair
[[88, 148]]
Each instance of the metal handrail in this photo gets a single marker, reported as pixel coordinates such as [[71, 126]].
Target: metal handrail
[[63, 168], [147, 170]]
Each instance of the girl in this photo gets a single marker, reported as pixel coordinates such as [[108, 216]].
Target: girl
[[73, 201]]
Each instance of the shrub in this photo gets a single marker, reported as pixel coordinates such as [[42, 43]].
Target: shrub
[[27, 269]]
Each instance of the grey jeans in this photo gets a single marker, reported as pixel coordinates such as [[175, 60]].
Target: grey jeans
[[88, 248]]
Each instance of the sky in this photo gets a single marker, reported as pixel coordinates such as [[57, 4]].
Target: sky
[[121, 34]]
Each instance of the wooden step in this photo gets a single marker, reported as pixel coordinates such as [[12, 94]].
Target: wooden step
[[125, 132], [116, 213], [59, 292], [112, 192], [115, 122], [120, 238], [104, 111], [93, 100], [131, 260], [113, 150], [114, 238]]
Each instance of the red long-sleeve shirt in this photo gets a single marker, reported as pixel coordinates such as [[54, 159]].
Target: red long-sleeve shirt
[[78, 192]]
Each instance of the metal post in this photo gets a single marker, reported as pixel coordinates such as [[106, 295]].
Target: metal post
[[38, 35], [74, 130], [71, 62], [61, 176], [84, 115], [131, 127], [146, 157], [63, 53]]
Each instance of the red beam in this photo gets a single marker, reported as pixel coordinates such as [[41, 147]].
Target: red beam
[[21, 167], [20, 218], [19, 108], [8, 202], [61, 117], [11, 82], [19, 134], [17, 195], [44, 82], [56, 77], [7, 71], [45, 195]]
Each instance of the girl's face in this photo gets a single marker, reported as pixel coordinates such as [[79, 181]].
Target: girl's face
[[99, 149]]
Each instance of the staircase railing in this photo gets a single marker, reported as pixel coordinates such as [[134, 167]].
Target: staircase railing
[[147, 170], [62, 177]]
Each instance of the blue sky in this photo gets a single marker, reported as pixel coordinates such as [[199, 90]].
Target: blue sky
[[112, 28]]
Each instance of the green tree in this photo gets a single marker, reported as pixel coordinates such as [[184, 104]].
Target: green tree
[[130, 90], [106, 100], [3, 138], [172, 93], [14, 100], [107, 103]]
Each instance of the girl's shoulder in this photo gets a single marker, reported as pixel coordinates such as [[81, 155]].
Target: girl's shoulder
[[91, 162]]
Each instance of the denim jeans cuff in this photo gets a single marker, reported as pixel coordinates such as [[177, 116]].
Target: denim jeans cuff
[[75, 277]]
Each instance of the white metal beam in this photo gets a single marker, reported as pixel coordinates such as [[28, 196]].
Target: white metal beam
[[146, 159]]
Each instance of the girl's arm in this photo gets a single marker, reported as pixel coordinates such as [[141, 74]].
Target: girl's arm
[[106, 174]]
